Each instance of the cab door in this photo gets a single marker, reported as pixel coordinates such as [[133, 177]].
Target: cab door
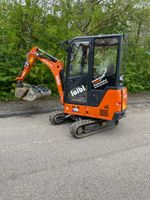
[[77, 76], [105, 68]]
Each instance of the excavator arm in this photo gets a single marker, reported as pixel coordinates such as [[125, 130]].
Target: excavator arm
[[55, 66]]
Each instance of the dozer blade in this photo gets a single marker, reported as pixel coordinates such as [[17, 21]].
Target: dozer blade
[[30, 92]]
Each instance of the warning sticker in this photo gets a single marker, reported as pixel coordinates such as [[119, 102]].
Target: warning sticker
[[99, 82]]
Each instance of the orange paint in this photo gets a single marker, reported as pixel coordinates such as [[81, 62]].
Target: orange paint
[[55, 67], [111, 103]]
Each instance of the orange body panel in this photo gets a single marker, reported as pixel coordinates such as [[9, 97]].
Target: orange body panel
[[113, 101]]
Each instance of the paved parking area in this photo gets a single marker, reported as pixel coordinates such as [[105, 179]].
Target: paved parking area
[[39, 161]]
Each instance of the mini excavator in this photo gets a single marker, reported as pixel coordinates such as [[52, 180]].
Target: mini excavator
[[91, 91]]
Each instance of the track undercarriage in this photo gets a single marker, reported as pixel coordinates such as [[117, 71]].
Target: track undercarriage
[[81, 127]]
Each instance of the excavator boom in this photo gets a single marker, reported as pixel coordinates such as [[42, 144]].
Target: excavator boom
[[55, 66]]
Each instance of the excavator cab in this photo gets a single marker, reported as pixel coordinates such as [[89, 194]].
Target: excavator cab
[[92, 93], [94, 82], [93, 68]]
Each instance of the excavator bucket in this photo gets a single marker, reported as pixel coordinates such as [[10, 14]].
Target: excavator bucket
[[21, 91], [31, 92]]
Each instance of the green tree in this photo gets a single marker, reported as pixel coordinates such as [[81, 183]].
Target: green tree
[[44, 23]]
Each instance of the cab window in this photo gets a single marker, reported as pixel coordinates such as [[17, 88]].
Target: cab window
[[79, 58], [105, 58]]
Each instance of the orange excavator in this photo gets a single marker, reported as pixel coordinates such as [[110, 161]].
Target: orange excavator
[[91, 91]]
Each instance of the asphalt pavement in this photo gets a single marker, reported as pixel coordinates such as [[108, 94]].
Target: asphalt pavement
[[40, 161]]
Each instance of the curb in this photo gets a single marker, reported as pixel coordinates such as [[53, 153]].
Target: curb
[[28, 113], [42, 111], [139, 102], [24, 113]]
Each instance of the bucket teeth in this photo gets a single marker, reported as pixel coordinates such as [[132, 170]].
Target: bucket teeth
[[30, 92]]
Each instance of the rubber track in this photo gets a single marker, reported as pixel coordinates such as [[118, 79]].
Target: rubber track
[[76, 125], [53, 114]]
